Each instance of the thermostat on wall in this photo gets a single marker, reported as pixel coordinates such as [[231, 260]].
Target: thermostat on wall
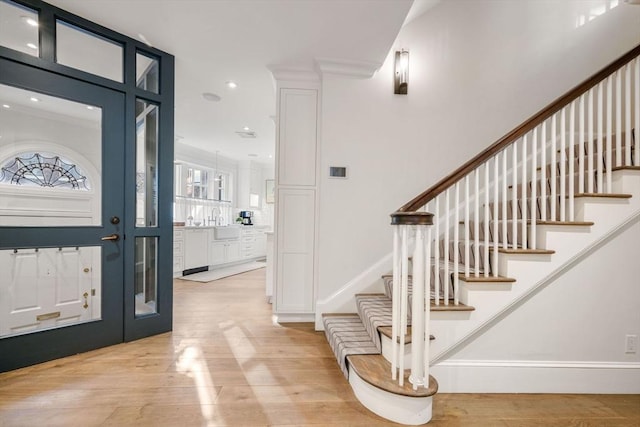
[[337, 172]]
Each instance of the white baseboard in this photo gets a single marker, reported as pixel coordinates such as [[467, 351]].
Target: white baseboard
[[294, 317], [509, 376]]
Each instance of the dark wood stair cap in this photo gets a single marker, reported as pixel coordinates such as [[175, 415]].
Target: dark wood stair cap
[[411, 218], [375, 370]]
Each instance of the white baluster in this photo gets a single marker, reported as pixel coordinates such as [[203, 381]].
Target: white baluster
[[619, 118], [514, 195], [436, 250], [534, 188], [467, 243], [554, 169], [427, 314], [523, 187], [581, 188], [563, 164], [505, 196], [590, 141], [404, 283], [486, 219], [572, 152], [456, 239], [446, 279], [476, 224], [496, 198], [627, 115], [417, 311], [395, 302], [599, 150], [543, 175], [609, 134]]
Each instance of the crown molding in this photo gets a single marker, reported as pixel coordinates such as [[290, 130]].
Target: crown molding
[[293, 73], [348, 68]]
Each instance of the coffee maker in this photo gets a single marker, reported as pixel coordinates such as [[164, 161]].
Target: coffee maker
[[246, 217]]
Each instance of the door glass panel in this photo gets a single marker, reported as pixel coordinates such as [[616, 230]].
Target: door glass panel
[[49, 288], [88, 52], [147, 73], [146, 275], [50, 160], [18, 27], [146, 164]]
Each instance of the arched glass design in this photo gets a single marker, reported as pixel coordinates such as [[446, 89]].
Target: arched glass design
[[43, 170]]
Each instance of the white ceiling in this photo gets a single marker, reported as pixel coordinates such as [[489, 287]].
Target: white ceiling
[[215, 41]]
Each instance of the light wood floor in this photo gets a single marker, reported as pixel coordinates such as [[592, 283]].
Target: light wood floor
[[226, 363]]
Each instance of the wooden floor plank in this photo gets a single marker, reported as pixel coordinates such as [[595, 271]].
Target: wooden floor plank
[[226, 363]]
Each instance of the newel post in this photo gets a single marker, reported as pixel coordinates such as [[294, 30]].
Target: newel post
[[411, 229]]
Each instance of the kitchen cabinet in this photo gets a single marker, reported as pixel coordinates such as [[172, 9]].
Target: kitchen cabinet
[[196, 248], [254, 243], [224, 251], [178, 251]]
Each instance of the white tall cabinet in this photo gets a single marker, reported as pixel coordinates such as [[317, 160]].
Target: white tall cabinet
[[296, 200]]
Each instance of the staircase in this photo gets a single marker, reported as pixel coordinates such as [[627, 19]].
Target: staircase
[[478, 243]]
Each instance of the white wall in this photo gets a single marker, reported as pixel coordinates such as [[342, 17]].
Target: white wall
[[576, 324], [584, 315], [477, 69]]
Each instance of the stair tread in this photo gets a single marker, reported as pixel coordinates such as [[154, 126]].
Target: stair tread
[[387, 332], [630, 168], [375, 370], [347, 335], [571, 223], [440, 307], [451, 307], [483, 279], [526, 251], [604, 195]]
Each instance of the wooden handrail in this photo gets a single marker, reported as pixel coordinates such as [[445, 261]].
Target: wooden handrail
[[423, 198]]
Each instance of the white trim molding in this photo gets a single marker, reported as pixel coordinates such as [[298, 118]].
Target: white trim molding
[[348, 68], [528, 376]]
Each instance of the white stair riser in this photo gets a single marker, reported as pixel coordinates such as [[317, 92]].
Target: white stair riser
[[387, 351], [627, 181]]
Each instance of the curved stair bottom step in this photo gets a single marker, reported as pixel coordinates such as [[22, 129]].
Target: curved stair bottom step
[[403, 406]]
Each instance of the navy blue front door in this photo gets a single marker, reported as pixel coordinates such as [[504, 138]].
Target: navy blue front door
[[71, 238]]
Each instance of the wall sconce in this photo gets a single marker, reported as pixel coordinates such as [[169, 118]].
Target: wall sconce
[[401, 80]]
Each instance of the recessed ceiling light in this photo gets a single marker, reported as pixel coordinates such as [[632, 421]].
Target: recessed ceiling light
[[231, 84], [31, 46], [211, 97], [29, 21], [6, 106], [245, 128], [271, 156], [34, 99]]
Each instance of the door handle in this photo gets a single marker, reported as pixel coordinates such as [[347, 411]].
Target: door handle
[[114, 237]]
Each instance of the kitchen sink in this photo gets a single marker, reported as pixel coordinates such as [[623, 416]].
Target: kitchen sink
[[226, 232]]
